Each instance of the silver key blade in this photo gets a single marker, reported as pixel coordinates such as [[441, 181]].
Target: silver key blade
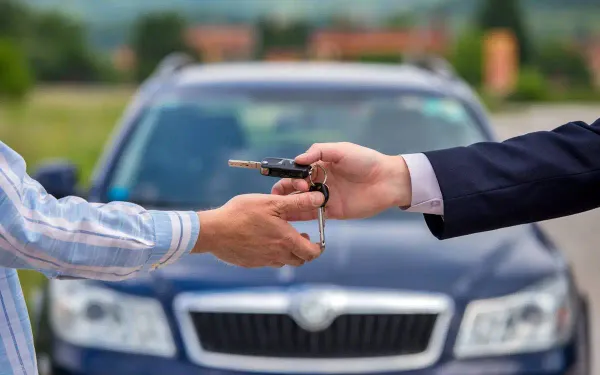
[[244, 164], [321, 219]]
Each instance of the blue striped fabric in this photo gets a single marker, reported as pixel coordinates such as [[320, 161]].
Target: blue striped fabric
[[70, 237]]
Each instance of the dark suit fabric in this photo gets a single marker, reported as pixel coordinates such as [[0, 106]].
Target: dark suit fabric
[[533, 177]]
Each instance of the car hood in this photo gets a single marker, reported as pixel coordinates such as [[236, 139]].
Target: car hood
[[400, 255]]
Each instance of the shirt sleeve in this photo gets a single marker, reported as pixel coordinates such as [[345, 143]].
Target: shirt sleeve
[[72, 238], [426, 194]]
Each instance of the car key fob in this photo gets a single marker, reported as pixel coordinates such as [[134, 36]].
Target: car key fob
[[275, 167], [284, 168]]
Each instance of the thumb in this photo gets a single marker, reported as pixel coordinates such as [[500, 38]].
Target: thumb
[[291, 205]]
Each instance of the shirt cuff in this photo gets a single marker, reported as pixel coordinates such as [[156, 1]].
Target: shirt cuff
[[426, 194], [176, 233]]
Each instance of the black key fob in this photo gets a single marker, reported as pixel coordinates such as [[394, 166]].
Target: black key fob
[[284, 168]]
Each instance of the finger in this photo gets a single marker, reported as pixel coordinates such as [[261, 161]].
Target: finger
[[300, 185], [277, 265], [305, 235], [283, 187], [289, 205], [295, 261], [328, 152], [302, 216], [306, 250], [288, 186]]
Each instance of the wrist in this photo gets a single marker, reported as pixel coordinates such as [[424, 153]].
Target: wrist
[[209, 231], [399, 182]]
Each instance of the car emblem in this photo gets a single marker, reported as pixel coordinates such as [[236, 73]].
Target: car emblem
[[313, 311]]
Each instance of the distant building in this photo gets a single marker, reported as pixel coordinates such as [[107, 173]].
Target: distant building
[[501, 61], [593, 57], [215, 43], [284, 54], [353, 44], [222, 42], [123, 59]]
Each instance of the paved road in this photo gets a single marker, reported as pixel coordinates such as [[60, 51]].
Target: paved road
[[578, 235]]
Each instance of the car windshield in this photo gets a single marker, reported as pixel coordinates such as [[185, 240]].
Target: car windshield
[[177, 155]]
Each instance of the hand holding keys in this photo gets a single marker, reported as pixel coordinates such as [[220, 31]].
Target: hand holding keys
[[288, 168]]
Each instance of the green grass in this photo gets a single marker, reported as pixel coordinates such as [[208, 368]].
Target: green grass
[[64, 122], [61, 122]]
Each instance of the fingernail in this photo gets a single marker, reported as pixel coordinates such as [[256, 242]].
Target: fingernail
[[317, 199]]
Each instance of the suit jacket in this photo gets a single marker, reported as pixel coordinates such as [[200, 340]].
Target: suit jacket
[[534, 177]]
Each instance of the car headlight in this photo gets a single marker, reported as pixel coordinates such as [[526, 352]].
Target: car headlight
[[92, 316], [534, 319]]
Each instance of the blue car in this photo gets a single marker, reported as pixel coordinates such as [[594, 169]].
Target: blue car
[[386, 297]]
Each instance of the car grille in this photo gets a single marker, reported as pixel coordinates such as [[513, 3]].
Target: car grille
[[313, 329], [349, 335]]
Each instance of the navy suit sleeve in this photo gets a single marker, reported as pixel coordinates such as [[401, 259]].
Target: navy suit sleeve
[[533, 177]]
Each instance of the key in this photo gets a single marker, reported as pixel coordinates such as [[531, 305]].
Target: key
[[319, 186], [275, 167]]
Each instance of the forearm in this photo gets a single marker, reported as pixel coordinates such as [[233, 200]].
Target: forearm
[[530, 178], [75, 238]]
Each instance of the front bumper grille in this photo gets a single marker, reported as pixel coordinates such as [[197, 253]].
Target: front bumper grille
[[318, 330], [349, 336]]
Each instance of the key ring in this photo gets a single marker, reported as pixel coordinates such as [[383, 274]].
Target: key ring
[[310, 175]]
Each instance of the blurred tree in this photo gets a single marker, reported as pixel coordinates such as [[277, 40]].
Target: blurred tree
[[467, 57], [401, 21], [506, 14], [564, 65], [15, 75], [342, 21], [59, 50], [275, 34], [531, 86], [14, 19], [154, 37]]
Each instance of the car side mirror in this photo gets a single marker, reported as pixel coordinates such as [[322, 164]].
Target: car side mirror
[[59, 178]]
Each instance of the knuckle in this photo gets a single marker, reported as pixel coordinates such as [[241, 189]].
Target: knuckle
[[298, 203], [316, 147], [287, 242], [276, 204]]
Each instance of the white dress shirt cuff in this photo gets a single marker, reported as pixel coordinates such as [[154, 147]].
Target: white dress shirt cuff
[[426, 194], [176, 233]]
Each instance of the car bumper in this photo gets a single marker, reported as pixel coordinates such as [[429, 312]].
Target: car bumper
[[73, 360]]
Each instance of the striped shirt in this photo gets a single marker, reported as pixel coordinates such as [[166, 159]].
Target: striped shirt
[[70, 237]]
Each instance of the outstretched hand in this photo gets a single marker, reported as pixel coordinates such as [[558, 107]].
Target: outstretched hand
[[362, 182], [253, 231]]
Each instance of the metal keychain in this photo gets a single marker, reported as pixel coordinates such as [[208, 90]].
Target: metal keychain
[[323, 188]]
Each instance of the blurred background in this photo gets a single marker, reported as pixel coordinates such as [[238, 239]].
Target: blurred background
[[69, 67]]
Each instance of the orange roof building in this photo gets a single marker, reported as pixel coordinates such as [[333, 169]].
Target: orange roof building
[[222, 42], [123, 59], [356, 43]]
